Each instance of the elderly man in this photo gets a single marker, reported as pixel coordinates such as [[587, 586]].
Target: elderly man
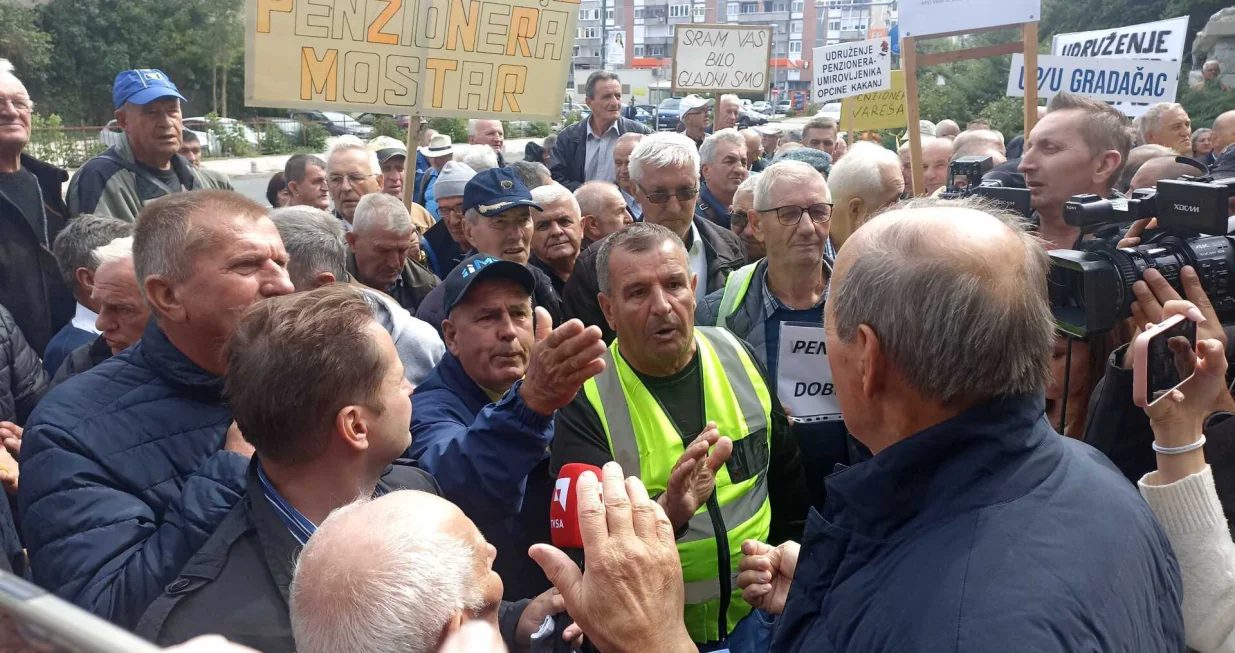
[[664, 170], [692, 390], [956, 423], [316, 386], [936, 159], [621, 165], [74, 249], [483, 420], [533, 174], [868, 180], [754, 150], [1224, 132], [724, 169], [446, 242], [392, 157], [1080, 146], [739, 220], [977, 123], [317, 256], [694, 118], [839, 149], [488, 132], [1211, 75], [771, 140], [603, 211], [820, 134], [1166, 124], [306, 181], [32, 214], [727, 108], [145, 164], [191, 150], [122, 312], [557, 231], [438, 152], [382, 242], [947, 128], [1137, 157], [498, 222], [130, 466], [980, 142], [352, 171], [585, 150]]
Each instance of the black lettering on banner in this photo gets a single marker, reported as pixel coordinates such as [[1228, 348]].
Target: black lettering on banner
[[812, 389]]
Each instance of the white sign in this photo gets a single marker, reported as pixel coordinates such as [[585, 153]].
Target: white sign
[[926, 17], [1110, 80], [803, 375], [852, 69], [1163, 40], [615, 50], [721, 58]]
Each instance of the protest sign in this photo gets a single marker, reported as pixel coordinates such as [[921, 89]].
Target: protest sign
[[1109, 80], [450, 58], [920, 18], [803, 375], [852, 69], [878, 110], [721, 58]]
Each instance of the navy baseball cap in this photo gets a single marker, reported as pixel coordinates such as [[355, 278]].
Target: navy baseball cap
[[479, 267], [496, 190], [143, 86]]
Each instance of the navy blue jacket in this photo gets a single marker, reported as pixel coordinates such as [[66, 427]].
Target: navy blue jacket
[[492, 460], [988, 532], [124, 477]]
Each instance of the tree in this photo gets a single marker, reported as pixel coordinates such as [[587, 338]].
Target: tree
[[24, 44]]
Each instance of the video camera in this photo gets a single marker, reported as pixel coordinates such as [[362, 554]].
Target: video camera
[[972, 168], [1091, 290]]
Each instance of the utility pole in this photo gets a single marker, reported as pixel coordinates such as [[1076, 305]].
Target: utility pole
[[604, 33]]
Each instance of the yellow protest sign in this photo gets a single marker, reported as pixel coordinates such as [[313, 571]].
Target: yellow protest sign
[[501, 59], [878, 110]]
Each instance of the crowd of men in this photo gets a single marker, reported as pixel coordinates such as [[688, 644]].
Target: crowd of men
[[338, 423]]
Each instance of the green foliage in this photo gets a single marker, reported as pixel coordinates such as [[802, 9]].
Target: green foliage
[[456, 128], [24, 44], [230, 138], [313, 136], [812, 108], [571, 118], [51, 142], [273, 141], [386, 126], [1006, 115], [539, 130], [1203, 105]]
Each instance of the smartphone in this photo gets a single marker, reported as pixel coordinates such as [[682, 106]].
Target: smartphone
[[1163, 357], [47, 623]]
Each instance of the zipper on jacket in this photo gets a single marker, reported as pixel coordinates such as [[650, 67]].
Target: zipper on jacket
[[722, 564]]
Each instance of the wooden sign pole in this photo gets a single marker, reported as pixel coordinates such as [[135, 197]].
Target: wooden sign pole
[[409, 167], [909, 61], [1029, 34]]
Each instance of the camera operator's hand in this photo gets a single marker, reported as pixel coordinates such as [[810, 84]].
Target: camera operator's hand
[[1133, 237], [1154, 291]]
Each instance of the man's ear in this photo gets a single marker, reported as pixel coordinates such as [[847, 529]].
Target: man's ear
[[606, 307], [703, 170], [873, 365], [85, 279], [453, 624], [323, 279], [291, 188], [351, 239], [164, 299], [122, 116], [351, 426], [450, 335], [1107, 164], [856, 208], [756, 224]]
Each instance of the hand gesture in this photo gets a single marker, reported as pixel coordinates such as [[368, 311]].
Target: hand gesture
[[560, 363], [1133, 237], [547, 604], [766, 572], [693, 478], [1154, 291], [235, 442], [10, 437], [631, 597], [8, 472], [1178, 418]]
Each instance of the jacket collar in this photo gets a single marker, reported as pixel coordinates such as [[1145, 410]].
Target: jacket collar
[[993, 453], [718, 258], [184, 170], [278, 545], [170, 364], [454, 378], [709, 200]]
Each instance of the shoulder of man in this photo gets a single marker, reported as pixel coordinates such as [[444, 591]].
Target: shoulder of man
[[96, 177], [725, 243], [403, 474]]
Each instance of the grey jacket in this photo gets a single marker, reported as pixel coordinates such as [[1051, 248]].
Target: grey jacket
[[419, 346]]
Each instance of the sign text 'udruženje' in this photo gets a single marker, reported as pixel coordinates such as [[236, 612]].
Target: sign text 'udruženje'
[[851, 69], [452, 58], [721, 58]]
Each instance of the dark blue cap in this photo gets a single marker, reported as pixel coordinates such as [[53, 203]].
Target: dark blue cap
[[478, 267], [496, 190], [143, 86]]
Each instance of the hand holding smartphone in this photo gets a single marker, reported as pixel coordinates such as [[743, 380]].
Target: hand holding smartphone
[[1164, 357]]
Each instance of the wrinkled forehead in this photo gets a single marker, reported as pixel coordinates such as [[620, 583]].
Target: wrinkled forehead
[[349, 160], [12, 87]]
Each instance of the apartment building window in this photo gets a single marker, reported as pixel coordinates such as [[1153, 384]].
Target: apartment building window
[[779, 6], [795, 27], [798, 6], [576, 50], [795, 47], [833, 25], [657, 51], [750, 8], [588, 33], [638, 13], [609, 15], [639, 50], [698, 13], [679, 11]]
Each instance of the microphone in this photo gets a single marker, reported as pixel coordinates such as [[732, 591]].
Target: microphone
[[564, 507]]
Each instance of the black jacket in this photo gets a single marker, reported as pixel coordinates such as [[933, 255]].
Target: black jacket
[[414, 284], [23, 381], [570, 153], [85, 357], [443, 252], [721, 247], [433, 308], [30, 285]]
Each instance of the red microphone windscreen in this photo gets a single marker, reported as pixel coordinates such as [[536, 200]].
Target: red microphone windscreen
[[564, 507]]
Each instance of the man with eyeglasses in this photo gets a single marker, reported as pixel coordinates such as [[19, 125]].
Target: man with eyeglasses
[[664, 171], [446, 242], [791, 216], [739, 220], [352, 171]]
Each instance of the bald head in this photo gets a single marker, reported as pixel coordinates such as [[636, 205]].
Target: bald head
[[1224, 131], [947, 129], [754, 145], [1155, 170], [980, 142]]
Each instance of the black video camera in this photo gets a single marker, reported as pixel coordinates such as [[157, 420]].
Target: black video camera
[[972, 168], [1091, 290]]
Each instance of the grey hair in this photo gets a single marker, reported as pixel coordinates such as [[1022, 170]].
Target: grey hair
[[554, 193], [1198, 134], [629, 137], [398, 601], [533, 174], [664, 150], [74, 247], [477, 157], [473, 125], [382, 210], [596, 77], [977, 142], [933, 343], [472, 216], [314, 242], [7, 71], [1152, 119], [748, 185], [591, 196], [860, 174], [707, 151], [798, 171], [635, 238], [117, 250], [727, 97], [347, 142]]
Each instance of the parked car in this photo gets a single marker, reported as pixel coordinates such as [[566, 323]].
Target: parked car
[[668, 113], [782, 107], [110, 135], [201, 124], [830, 110], [573, 107], [369, 118], [762, 106], [336, 123], [750, 118]]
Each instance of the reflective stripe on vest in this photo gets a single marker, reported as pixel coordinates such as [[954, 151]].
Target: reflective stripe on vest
[[645, 441], [736, 286]]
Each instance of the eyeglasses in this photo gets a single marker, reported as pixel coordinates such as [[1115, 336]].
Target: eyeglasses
[[19, 105], [450, 210], [662, 197], [738, 219], [355, 180], [791, 215]]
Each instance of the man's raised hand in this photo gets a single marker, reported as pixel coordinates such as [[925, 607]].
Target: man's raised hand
[[693, 478], [561, 361]]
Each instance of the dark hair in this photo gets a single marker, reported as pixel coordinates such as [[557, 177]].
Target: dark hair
[[296, 166], [599, 76], [188, 136], [294, 362], [636, 238], [278, 184]]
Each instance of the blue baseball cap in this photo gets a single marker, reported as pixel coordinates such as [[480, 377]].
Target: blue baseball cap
[[496, 190], [143, 86], [479, 267]]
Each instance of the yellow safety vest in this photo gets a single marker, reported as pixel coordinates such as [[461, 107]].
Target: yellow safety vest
[[644, 440]]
